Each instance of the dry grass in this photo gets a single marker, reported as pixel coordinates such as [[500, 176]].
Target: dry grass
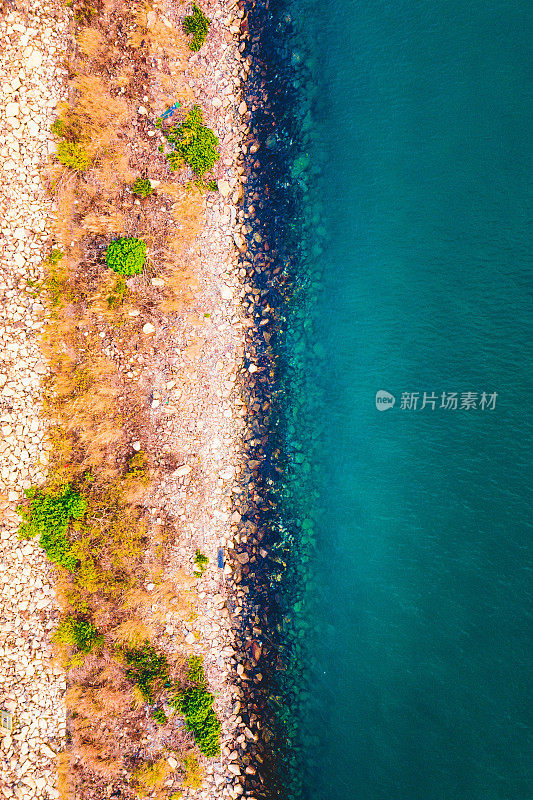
[[131, 633], [64, 783], [90, 41]]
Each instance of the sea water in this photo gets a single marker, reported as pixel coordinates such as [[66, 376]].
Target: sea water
[[417, 624]]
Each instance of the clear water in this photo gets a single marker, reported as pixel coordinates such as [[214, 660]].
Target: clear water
[[418, 640]]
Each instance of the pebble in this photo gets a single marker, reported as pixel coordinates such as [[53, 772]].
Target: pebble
[[30, 686]]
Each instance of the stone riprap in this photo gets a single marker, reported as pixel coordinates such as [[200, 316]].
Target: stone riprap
[[31, 686]]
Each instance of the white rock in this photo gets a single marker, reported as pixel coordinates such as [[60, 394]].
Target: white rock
[[12, 110], [185, 469], [158, 282], [148, 328], [190, 638], [133, 312], [224, 188], [226, 292], [173, 764], [136, 446], [35, 60]]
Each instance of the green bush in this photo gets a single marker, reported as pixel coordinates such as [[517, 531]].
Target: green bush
[[159, 715], [142, 187], [194, 143], [200, 563], [48, 516], [78, 632], [148, 669], [126, 256], [73, 155], [196, 704], [197, 24]]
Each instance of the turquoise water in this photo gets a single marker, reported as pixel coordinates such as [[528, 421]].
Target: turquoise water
[[418, 639]]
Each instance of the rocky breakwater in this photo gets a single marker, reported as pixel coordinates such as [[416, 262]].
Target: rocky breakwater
[[279, 238], [31, 687]]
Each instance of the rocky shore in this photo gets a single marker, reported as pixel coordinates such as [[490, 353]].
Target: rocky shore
[[195, 415]]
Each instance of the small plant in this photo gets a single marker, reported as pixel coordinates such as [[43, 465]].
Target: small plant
[[148, 669], [137, 468], [193, 771], [151, 776], [49, 516], [198, 24], [54, 257], [118, 293], [195, 672], [142, 187], [200, 563], [160, 717], [79, 633], [59, 128], [126, 255], [194, 144], [212, 186], [73, 155]]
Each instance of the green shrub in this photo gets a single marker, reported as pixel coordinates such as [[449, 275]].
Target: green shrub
[[194, 143], [48, 516], [148, 669], [126, 256], [159, 715], [200, 563], [196, 704], [78, 632], [142, 187], [197, 24], [73, 155]]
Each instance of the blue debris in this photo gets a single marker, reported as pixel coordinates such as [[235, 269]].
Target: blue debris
[[168, 113], [220, 558]]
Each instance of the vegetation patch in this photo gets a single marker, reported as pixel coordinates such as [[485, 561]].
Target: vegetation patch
[[79, 633], [160, 717], [142, 187], [200, 563], [73, 155], [194, 144], [126, 255], [48, 516], [117, 295], [196, 704], [148, 670], [198, 24]]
